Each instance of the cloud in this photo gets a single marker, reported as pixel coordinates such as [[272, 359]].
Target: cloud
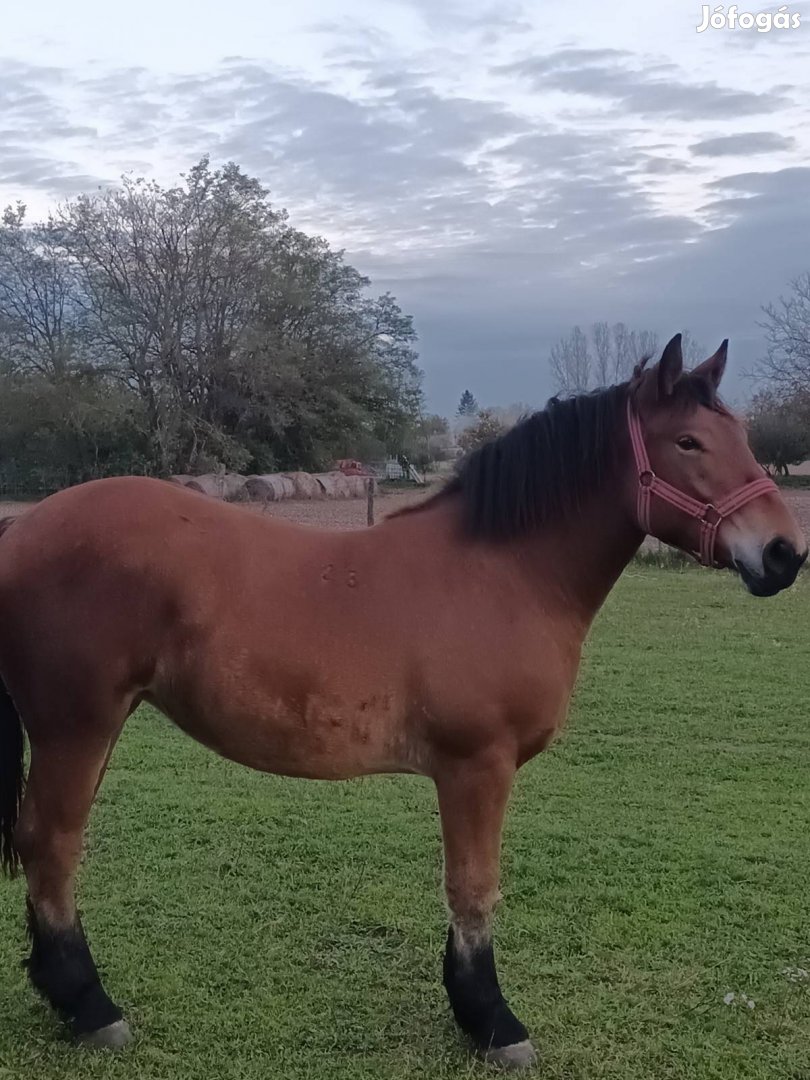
[[493, 20], [498, 221], [746, 143], [664, 166], [645, 92]]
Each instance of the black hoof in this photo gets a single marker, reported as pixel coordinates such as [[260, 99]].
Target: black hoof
[[520, 1055], [113, 1037]]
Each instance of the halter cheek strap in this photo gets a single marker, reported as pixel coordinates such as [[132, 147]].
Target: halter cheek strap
[[708, 515]]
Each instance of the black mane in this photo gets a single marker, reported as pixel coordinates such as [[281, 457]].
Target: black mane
[[543, 468], [547, 465]]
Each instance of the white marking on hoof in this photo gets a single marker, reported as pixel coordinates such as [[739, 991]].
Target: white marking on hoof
[[520, 1055], [113, 1037]]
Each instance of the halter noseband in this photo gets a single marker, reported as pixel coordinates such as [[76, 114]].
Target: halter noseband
[[709, 515]]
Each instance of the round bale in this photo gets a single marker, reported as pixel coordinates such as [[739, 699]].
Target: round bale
[[269, 488], [334, 485], [356, 485], [306, 486]]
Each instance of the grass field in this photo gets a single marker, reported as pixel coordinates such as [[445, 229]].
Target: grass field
[[656, 861]]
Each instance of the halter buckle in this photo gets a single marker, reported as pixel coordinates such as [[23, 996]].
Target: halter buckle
[[646, 478], [711, 517]]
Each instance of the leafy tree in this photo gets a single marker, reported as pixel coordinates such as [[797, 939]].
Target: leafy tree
[[428, 441], [486, 427], [227, 337], [779, 430]]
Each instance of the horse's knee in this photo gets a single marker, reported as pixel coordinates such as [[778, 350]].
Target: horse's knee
[[24, 841], [24, 836]]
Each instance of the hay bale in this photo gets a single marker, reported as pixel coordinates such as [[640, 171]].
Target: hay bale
[[233, 486], [357, 486], [269, 488], [207, 485], [306, 486], [218, 485], [334, 485], [255, 489]]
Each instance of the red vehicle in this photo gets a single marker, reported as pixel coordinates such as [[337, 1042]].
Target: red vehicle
[[350, 467]]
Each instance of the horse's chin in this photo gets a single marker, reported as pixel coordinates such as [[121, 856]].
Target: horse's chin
[[756, 584]]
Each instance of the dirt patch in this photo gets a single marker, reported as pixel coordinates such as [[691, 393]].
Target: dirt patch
[[341, 513], [13, 509], [799, 503], [327, 513]]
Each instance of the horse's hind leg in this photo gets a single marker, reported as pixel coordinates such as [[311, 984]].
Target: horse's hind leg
[[63, 779], [473, 795]]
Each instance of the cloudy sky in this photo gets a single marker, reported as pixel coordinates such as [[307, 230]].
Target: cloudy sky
[[507, 170]]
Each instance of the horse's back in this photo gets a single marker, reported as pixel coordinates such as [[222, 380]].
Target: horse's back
[[117, 569], [212, 612]]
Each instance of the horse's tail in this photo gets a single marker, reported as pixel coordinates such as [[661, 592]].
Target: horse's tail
[[12, 779], [12, 770]]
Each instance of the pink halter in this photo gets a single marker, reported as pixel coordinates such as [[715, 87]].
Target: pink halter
[[709, 515]]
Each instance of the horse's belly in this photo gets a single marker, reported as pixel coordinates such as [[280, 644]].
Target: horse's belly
[[319, 737]]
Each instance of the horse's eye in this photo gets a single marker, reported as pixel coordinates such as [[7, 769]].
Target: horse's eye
[[687, 442]]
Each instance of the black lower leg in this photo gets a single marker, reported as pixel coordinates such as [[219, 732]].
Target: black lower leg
[[476, 999], [62, 970]]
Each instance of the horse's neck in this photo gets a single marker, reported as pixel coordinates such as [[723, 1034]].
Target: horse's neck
[[569, 566], [581, 559]]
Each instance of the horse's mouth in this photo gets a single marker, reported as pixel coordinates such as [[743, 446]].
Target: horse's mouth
[[758, 585]]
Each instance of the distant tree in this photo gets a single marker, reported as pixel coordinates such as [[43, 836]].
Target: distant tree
[[786, 364], [779, 430], [571, 363], [509, 415], [429, 440], [693, 352], [41, 321], [467, 406], [603, 356], [487, 426]]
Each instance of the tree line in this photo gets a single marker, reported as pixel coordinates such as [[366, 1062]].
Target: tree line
[[777, 414], [161, 330], [156, 330]]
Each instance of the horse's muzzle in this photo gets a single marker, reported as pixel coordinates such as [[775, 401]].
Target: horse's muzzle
[[781, 563]]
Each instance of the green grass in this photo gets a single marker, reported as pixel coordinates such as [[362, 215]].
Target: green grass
[[656, 859]]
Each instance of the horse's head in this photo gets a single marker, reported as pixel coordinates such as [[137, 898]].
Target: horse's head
[[696, 484]]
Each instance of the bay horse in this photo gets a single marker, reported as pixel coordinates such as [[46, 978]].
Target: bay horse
[[443, 641]]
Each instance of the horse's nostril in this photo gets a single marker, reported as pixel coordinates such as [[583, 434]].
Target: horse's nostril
[[779, 557]]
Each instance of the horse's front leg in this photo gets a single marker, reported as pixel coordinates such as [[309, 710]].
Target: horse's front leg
[[473, 795]]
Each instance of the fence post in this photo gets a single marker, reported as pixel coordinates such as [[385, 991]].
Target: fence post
[[370, 495]]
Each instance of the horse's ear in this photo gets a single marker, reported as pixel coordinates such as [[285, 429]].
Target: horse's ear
[[670, 366], [712, 369]]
